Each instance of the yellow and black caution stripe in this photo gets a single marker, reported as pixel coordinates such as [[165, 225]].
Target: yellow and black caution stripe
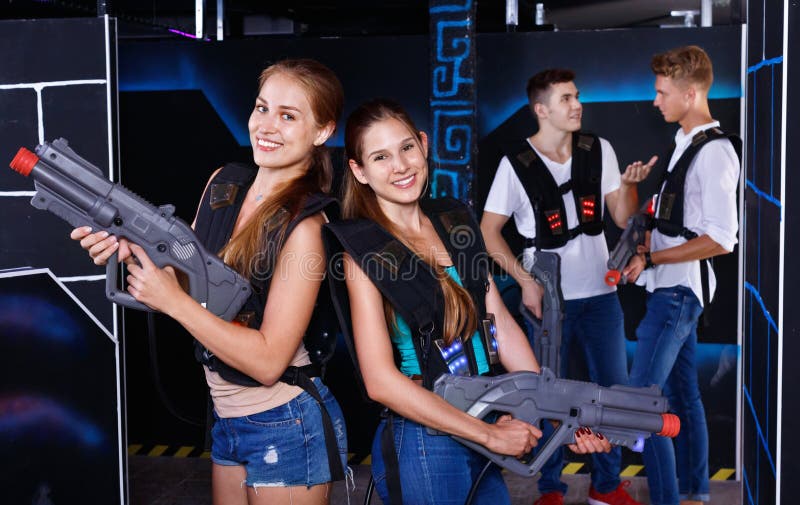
[[639, 471], [571, 468], [183, 451]]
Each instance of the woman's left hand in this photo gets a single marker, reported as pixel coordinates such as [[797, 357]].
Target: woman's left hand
[[155, 287], [587, 441]]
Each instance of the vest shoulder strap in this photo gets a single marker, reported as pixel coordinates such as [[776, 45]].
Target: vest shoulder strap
[[404, 280], [221, 202]]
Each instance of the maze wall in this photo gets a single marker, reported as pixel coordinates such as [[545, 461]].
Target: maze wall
[[61, 394], [771, 323]]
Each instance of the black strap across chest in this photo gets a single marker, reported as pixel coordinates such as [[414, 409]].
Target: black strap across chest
[[546, 196], [670, 202], [409, 283]]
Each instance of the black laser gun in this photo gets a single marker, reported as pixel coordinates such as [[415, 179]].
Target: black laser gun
[[624, 415], [77, 192]]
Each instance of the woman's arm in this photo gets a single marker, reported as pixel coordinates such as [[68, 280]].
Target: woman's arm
[[386, 385], [512, 344], [262, 354]]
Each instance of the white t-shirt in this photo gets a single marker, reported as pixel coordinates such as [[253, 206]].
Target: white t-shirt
[[583, 259], [709, 208]]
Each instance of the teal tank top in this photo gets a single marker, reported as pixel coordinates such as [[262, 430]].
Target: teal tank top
[[401, 338]]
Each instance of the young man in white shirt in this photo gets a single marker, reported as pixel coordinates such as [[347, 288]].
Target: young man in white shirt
[[695, 220], [554, 183]]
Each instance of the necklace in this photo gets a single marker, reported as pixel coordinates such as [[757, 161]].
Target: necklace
[[259, 197]]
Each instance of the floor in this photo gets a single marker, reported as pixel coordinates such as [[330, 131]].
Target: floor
[[186, 481]]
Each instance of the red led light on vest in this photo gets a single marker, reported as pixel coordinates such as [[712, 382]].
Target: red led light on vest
[[587, 208], [554, 221]]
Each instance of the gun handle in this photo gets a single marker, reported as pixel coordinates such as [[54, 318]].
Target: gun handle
[[519, 467], [115, 295]]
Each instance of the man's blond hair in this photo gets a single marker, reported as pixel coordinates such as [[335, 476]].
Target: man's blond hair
[[688, 64]]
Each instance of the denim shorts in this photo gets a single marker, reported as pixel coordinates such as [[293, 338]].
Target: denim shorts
[[283, 446]]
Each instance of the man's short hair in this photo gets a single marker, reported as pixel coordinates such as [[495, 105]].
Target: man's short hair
[[689, 64], [538, 88]]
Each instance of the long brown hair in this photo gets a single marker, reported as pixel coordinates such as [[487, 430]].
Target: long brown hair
[[254, 249], [359, 201]]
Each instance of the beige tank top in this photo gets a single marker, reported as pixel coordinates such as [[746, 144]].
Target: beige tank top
[[234, 400]]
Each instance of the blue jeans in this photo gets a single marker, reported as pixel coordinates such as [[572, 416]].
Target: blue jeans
[[435, 469], [283, 446], [596, 324], [665, 356]]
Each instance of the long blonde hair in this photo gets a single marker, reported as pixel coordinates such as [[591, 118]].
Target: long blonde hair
[[254, 249], [359, 201]]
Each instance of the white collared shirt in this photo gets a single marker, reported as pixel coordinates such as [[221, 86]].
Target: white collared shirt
[[709, 208]]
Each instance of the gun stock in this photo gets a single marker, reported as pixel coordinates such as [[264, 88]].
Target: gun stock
[[77, 192]]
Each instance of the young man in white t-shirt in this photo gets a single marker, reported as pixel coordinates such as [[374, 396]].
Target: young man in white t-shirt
[[555, 185], [695, 220]]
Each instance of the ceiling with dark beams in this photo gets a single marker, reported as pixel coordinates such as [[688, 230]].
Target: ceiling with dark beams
[[143, 18]]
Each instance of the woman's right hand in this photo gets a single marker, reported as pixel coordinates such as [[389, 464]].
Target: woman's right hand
[[512, 437], [100, 245]]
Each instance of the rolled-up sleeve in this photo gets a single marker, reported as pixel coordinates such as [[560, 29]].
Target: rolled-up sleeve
[[716, 171]]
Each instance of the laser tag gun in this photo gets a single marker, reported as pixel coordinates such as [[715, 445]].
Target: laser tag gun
[[547, 331], [624, 415], [631, 238], [77, 192]]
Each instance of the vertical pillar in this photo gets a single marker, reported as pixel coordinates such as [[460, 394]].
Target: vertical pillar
[[767, 241], [452, 139], [789, 384]]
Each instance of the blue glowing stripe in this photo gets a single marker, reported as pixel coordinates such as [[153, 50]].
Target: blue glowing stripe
[[491, 114], [773, 61], [747, 487], [452, 7], [450, 102], [762, 194], [767, 315], [758, 428]]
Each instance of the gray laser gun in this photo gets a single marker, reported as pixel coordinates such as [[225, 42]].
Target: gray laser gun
[[633, 236], [77, 192], [547, 330], [624, 415]]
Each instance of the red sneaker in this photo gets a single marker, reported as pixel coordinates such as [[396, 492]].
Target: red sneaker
[[616, 497], [551, 498]]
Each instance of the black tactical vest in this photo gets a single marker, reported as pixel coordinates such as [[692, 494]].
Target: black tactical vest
[[546, 196]]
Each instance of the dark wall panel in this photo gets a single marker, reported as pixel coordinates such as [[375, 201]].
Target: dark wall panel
[[62, 404], [789, 486], [763, 284]]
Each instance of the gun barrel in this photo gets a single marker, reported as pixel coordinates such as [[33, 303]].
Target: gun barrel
[[78, 192], [613, 277], [24, 161], [27, 163]]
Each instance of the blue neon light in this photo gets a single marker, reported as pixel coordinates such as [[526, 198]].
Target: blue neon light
[[764, 63], [467, 5], [761, 437], [767, 315], [771, 199]]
